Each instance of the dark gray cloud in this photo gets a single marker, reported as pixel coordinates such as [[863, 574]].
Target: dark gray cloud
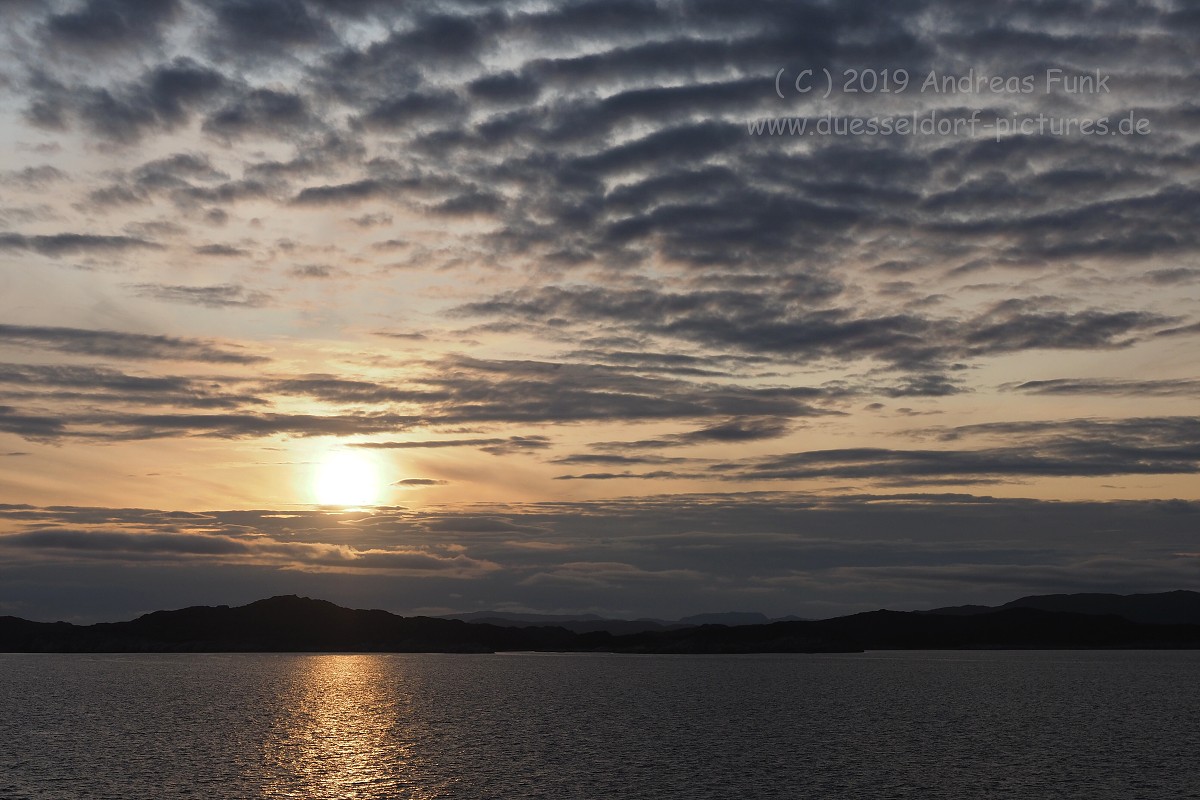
[[263, 26], [467, 390], [224, 295], [372, 220], [33, 427], [62, 244], [413, 109], [263, 112], [117, 344], [1081, 447], [313, 271], [109, 24], [734, 431], [162, 99], [188, 181], [613, 459], [456, 391], [494, 446], [738, 430], [1175, 275], [1016, 326], [1182, 330], [1110, 386], [1042, 449], [785, 321], [221, 250], [638, 476], [408, 336], [314, 155], [116, 426], [35, 177], [88, 384], [636, 148], [669, 363]]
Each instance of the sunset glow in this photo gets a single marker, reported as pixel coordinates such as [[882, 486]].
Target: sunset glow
[[642, 309], [347, 479]]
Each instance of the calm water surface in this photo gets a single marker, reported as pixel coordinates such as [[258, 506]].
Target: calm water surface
[[879, 725]]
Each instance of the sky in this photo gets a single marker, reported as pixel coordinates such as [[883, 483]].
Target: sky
[[628, 307]]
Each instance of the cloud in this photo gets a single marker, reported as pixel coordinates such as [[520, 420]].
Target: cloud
[[1043, 449], [640, 476], [115, 426], [100, 25], [1069, 448], [30, 426], [255, 26], [313, 271], [411, 336], [61, 244], [372, 220], [161, 99], [142, 546], [1109, 386], [495, 446], [1182, 330], [262, 112], [221, 296], [84, 384], [669, 555], [467, 390], [738, 430], [173, 176], [116, 344], [345, 193], [732, 431], [34, 177], [221, 250], [1174, 276], [1005, 331], [783, 321], [617, 459], [454, 391]]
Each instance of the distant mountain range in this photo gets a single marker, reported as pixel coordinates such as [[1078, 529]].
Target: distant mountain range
[[1164, 608], [590, 623], [300, 624]]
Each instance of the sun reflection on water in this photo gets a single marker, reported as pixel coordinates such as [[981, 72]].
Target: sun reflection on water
[[346, 733]]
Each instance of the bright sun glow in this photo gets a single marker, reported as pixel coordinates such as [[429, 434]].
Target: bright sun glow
[[347, 479]]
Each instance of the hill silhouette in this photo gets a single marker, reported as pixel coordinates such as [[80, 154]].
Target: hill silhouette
[[1162, 608], [300, 624], [589, 623]]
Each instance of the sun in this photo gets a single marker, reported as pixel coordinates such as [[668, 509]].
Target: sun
[[347, 479]]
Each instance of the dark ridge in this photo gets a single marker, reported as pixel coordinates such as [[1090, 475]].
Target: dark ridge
[[614, 626], [1162, 608], [300, 624], [727, 618]]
